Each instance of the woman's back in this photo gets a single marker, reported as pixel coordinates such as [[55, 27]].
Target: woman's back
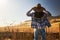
[[38, 14]]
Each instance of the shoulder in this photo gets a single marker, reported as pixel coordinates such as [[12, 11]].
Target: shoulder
[[43, 8], [34, 7]]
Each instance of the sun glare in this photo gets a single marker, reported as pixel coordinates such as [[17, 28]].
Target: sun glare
[[3, 1]]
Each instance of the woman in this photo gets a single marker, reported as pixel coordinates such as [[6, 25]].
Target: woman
[[39, 21]]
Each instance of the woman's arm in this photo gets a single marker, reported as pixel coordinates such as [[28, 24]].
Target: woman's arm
[[28, 13], [47, 12]]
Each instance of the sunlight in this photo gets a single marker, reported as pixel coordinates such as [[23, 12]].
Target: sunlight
[[3, 1], [3, 11]]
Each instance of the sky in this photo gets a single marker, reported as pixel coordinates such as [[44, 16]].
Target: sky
[[14, 11]]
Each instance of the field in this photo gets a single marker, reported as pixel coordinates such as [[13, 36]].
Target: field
[[24, 31], [26, 36]]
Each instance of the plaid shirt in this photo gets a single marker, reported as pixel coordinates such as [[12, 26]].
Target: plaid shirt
[[35, 22]]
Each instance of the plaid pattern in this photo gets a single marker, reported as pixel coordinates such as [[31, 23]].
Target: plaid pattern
[[35, 22], [41, 24]]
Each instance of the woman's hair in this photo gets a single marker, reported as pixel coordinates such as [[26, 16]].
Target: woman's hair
[[38, 4], [38, 14]]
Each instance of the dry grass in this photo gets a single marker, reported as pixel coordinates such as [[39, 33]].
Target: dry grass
[[26, 36]]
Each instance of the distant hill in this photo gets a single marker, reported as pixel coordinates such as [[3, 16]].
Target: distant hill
[[55, 17]]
